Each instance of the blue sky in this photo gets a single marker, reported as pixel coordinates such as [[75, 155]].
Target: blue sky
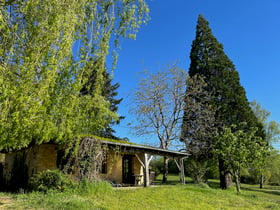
[[248, 29]]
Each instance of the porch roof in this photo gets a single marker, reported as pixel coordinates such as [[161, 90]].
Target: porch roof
[[135, 148]]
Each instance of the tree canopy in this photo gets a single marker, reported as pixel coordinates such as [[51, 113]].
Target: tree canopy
[[109, 92], [271, 128], [198, 129], [158, 105], [228, 99], [240, 148], [47, 53], [209, 61]]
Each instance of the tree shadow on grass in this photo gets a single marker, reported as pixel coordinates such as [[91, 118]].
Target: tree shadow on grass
[[216, 185], [264, 190], [213, 184], [172, 180], [169, 182]]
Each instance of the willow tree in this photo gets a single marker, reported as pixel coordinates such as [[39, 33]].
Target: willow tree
[[47, 49]]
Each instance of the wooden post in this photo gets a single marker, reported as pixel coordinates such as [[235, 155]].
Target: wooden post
[[145, 167], [146, 171], [182, 171], [181, 168]]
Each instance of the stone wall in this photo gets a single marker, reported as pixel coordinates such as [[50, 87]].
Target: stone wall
[[114, 167], [37, 159], [44, 156]]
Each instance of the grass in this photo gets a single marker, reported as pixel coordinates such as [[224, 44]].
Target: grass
[[171, 196]]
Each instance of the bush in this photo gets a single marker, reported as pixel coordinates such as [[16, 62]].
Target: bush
[[156, 165], [197, 170], [248, 179], [50, 180]]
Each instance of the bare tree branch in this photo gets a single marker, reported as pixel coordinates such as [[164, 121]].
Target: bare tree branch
[[159, 104]]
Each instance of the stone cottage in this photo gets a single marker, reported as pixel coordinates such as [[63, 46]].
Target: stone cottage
[[125, 164]]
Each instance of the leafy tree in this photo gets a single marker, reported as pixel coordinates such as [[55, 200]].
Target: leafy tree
[[198, 129], [228, 96], [159, 104], [271, 128], [109, 93], [47, 51], [272, 132], [265, 173], [272, 168], [240, 149]]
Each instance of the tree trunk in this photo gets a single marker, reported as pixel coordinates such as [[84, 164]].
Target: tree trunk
[[165, 170], [228, 179], [237, 183], [225, 177], [261, 181]]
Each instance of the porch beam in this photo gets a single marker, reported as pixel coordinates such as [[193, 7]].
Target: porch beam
[[181, 168], [177, 164], [149, 161], [140, 161]]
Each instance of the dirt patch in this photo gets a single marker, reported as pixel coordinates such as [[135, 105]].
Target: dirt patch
[[5, 202]]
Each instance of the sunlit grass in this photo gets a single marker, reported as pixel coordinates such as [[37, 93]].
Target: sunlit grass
[[172, 196]]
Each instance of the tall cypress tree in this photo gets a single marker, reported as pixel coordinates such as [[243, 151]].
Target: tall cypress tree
[[229, 101]]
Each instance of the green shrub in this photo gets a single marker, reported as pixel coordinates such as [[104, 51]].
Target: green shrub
[[248, 179], [198, 170], [156, 165], [50, 180]]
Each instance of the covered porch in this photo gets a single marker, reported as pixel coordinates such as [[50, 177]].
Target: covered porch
[[133, 155]]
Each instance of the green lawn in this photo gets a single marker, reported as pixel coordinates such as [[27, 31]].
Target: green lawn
[[172, 196]]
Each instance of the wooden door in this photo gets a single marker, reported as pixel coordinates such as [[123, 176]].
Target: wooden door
[[128, 177]]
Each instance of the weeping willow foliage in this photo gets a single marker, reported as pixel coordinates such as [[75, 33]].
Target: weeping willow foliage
[[48, 50]]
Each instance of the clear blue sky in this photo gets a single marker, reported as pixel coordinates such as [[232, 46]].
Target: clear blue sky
[[248, 29]]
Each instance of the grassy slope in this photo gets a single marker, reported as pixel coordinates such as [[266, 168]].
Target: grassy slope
[[190, 196]]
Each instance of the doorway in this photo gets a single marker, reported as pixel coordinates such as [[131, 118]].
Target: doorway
[[128, 177]]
